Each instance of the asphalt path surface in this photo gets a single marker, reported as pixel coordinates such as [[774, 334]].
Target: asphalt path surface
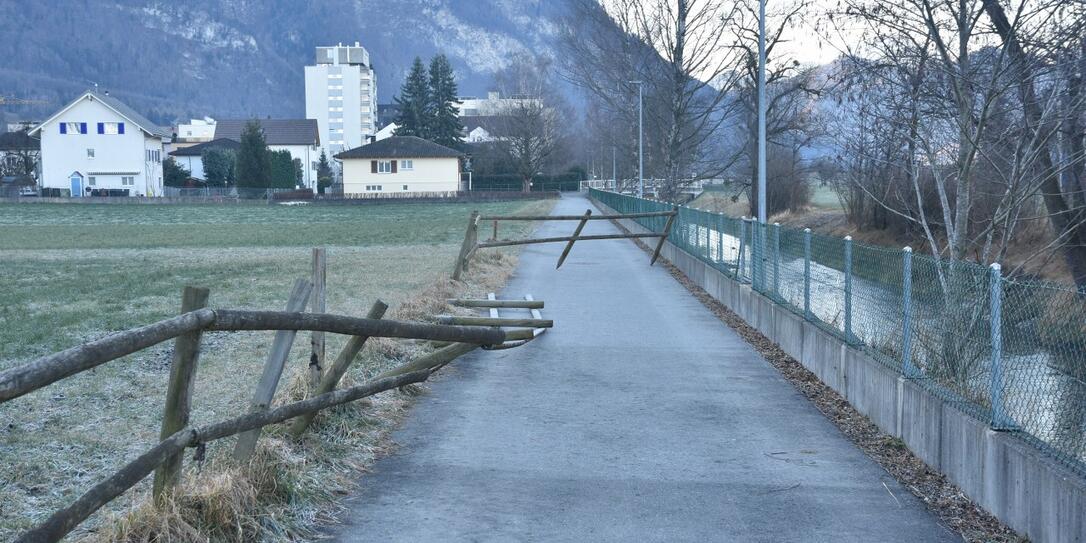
[[639, 417]]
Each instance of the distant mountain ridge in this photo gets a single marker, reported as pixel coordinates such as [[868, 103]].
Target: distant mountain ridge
[[241, 58]]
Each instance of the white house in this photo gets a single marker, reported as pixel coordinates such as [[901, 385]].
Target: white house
[[386, 132], [98, 145], [400, 164], [192, 158], [299, 136]]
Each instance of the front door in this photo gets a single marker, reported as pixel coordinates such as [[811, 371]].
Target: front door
[[77, 185]]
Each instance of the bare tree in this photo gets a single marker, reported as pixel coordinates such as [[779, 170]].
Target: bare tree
[[677, 49], [533, 127]]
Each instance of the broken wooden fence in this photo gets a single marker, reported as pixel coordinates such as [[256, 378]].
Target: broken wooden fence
[[471, 236], [461, 335]]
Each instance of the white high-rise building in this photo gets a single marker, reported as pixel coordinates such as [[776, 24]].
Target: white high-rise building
[[341, 95]]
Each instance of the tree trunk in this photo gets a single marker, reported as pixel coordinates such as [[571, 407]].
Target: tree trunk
[[1064, 219]]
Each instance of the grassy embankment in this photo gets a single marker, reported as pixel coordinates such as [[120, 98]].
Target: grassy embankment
[[77, 272]]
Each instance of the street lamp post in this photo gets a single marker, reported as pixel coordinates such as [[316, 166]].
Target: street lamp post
[[761, 113], [759, 247], [640, 139]]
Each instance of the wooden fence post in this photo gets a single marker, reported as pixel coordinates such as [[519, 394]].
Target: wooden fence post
[[175, 416], [470, 237], [572, 240], [663, 238], [339, 368], [317, 352], [273, 370]]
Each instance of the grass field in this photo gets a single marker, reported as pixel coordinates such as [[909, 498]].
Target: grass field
[[823, 197], [72, 273]]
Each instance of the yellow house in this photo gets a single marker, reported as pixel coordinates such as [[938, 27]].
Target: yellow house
[[400, 164]]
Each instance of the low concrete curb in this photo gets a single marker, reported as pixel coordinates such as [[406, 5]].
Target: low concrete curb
[[1028, 490]]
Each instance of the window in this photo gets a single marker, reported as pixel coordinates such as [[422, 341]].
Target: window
[[407, 165], [152, 155], [73, 128], [111, 129], [384, 166], [92, 181], [373, 187], [90, 153], [405, 187], [128, 181]]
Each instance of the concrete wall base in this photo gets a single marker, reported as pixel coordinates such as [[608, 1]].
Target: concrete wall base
[[1018, 483]]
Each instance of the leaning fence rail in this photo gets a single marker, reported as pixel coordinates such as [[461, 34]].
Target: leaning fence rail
[[1010, 352]]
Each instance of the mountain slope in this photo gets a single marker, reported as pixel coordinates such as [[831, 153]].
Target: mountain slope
[[232, 58]]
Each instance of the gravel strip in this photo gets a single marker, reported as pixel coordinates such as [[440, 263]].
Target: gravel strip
[[942, 497]]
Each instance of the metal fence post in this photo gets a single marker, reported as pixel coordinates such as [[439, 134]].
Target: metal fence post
[[807, 273], [906, 313], [757, 261], [1000, 420], [742, 241], [777, 258], [720, 239], [849, 338]]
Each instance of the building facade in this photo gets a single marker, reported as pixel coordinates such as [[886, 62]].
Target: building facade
[[400, 164], [194, 132], [493, 104], [341, 95], [97, 145]]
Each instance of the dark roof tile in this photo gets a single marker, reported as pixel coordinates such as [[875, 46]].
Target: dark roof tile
[[276, 131], [400, 147], [197, 150]]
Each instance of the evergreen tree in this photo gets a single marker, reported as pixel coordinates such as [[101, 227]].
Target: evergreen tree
[[445, 127], [282, 170], [414, 101], [254, 167], [219, 166], [324, 173], [174, 174]]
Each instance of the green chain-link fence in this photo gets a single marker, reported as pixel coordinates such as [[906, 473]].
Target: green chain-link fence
[[930, 319]]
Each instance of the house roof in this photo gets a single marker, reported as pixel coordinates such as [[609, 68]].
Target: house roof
[[276, 131], [18, 141], [400, 147], [198, 150], [117, 106]]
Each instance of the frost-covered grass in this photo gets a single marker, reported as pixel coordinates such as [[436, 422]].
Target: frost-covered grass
[[76, 272]]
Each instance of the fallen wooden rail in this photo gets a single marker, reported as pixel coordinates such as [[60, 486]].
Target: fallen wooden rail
[[506, 304], [490, 321], [471, 237]]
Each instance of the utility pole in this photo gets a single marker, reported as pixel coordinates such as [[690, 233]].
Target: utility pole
[[640, 138]]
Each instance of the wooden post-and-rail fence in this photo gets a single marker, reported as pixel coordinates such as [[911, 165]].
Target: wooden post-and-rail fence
[[461, 335], [471, 236]]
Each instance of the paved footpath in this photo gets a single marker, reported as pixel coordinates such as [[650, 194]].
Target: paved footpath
[[639, 417]]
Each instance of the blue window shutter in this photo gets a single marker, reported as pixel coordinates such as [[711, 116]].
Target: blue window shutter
[[63, 128], [120, 128], [82, 128], [101, 128]]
